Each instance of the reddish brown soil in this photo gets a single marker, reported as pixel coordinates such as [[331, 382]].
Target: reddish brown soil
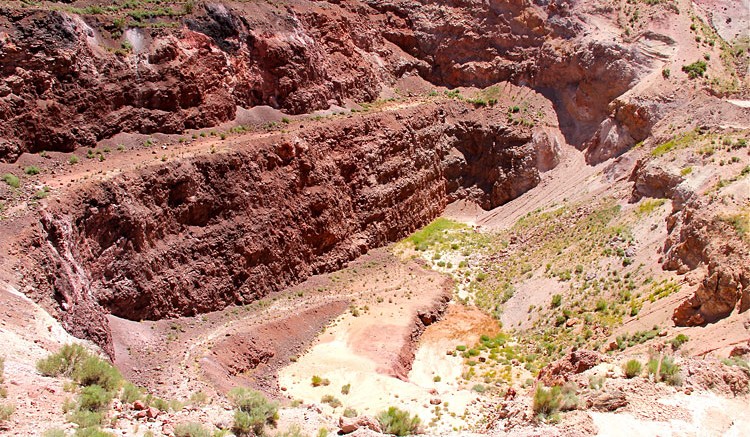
[[253, 356]]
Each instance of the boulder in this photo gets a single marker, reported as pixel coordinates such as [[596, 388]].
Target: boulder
[[607, 400], [741, 350], [575, 362], [350, 424]]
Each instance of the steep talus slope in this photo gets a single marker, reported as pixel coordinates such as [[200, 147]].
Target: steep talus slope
[[197, 235], [701, 167]]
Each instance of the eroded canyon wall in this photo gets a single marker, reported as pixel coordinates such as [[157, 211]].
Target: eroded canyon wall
[[70, 80], [199, 234]]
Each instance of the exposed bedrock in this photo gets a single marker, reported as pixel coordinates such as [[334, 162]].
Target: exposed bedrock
[[698, 239], [197, 235], [64, 84], [544, 46], [65, 81]]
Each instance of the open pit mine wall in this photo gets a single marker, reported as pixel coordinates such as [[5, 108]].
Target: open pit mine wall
[[66, 82], [196, 235]]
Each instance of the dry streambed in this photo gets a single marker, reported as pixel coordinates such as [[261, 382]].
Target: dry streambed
[[365, 338], [363, 360]]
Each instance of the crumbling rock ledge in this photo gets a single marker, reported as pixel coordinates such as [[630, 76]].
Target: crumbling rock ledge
[[697, 238]]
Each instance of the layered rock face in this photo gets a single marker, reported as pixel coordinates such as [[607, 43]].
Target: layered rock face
[[66, 82], [189, 237]]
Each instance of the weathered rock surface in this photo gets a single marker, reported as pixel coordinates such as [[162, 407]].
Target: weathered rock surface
[[712, 375], [349, 425], [65, 81], [64, 89], [607, 400], [197, 235], [699, 238], [653, 180], [575, 362]]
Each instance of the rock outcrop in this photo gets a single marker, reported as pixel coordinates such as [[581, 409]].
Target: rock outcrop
[[698, 238], [69, 80], [575, 362], [66, 84], [196, 235], [349, 425]]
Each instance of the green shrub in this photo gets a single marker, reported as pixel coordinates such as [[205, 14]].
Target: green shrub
[[253, 411], [191, 429], [632, 368], [95, 371], [294, 431], [550, 401], [248, 424], [86, 419], [330, 400], [188, 7], [350, 412], [546, 401], [130, 393], [669, 372], [32, 170], [678, 341], [158, 403], [696, 69], [64, 362], [666, 73], [54, 432], [92, 431], [74, 361], [6, 411], [398, 422], [556, 301], [437, 378], [345, 389], [94, 398], [73, 160], [317, 381], [41, 194], [479, 388], [12, 180], [199, 398], [737, 361], [461, 348], [601, 305]]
